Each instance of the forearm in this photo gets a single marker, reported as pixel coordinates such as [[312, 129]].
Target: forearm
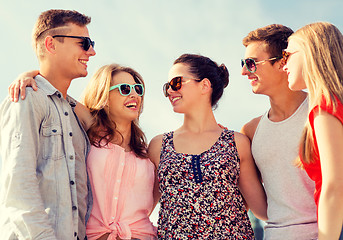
[[330, 213], [256, 200]]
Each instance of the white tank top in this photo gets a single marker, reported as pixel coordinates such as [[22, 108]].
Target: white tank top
[[291, 206]]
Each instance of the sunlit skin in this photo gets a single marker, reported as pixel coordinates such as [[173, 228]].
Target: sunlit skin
[[201, 129], [267, 78], [270, 80], [123, 108], [67, 60], [294, 67], [183, 99]]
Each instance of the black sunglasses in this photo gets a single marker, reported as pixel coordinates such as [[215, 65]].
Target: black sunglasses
[[125, 89], [176, 84], [86, 41], [251, 64]]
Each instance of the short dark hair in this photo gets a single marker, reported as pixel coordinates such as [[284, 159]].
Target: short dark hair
[[274, 35], [203, 67]]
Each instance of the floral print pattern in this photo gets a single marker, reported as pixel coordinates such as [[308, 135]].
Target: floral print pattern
[[200, 198]]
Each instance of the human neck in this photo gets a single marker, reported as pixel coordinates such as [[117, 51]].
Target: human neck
[[56, 79], [200, 122], [123, 139], [282, 106]]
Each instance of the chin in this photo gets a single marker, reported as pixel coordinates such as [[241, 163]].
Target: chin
[[178, 110]]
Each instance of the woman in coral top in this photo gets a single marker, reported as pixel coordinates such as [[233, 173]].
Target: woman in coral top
[[120, 173], [314, 60]]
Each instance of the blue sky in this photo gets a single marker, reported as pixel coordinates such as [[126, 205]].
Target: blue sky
[[148, 35]]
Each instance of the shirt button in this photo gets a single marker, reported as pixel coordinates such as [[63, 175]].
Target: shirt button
[[115, 198], [118, 180], [71, 157], [72, 182], [74, 208], [59, 95], [66, 113], [75, 234], [71, 134]]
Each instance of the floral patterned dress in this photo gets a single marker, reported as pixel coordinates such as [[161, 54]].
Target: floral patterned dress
[[200, 198]]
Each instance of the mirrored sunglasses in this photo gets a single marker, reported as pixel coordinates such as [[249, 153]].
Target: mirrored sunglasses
[[250, 63]]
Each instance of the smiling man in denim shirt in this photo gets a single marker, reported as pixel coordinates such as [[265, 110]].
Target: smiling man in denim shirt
[[44, 192]]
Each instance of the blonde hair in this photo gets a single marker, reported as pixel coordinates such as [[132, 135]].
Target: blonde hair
[[95, 98], [322, 45]]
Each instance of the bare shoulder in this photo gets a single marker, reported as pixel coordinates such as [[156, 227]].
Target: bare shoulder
[[243, 146], [250, 127], [241, 140], [154, 149]]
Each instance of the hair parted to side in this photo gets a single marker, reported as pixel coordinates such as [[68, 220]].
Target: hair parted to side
[[275, 36], [322, 45], [50, 23], [95, 98], [203, 67]]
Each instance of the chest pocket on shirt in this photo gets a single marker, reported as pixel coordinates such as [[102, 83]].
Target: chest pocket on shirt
[[53, 142]]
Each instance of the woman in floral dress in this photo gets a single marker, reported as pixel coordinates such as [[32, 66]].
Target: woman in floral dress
[[204, 170]]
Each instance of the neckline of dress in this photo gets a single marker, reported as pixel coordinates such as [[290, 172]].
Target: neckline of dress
[[202, 153]]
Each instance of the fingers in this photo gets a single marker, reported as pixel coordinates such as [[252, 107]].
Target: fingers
[[11, 91], [22, 89], [34, 84], [18, 88]]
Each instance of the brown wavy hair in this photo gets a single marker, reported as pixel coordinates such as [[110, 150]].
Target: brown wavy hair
[[95, 97], [274, 36]]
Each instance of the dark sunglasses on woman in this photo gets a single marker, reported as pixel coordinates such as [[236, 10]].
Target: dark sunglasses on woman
[[125, 89], [176, 84]]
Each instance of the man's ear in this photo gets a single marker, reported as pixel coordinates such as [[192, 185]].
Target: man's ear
[[49, 44]]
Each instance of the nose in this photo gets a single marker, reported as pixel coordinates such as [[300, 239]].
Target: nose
[[133, 93], [244, 71], [91, 51], [169, 90]]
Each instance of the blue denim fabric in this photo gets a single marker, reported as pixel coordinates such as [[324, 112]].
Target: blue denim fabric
[[37, 198]]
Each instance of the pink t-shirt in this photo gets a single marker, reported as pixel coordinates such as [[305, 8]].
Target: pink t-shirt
[[122, 187]]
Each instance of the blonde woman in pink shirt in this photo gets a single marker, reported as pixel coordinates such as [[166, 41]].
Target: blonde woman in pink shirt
[[120, 173]]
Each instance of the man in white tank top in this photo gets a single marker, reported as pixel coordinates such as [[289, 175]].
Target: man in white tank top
[[275, 138]]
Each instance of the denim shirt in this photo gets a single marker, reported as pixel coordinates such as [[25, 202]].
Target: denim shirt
[[38, 198]]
